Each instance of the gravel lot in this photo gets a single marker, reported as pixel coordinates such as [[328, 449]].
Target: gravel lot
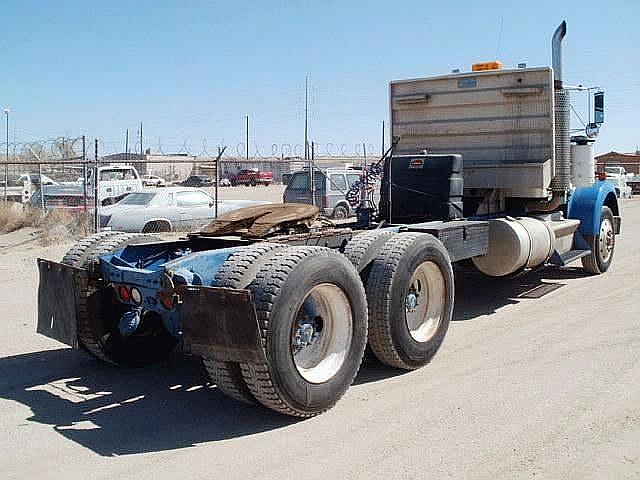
[[522, 388]]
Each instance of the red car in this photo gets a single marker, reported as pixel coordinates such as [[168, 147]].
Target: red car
[[251, 177]]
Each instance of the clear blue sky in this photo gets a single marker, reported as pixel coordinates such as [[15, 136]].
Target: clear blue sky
[[192, 69]]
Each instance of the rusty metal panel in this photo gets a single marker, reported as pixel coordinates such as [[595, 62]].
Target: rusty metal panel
[[221, 323], [58, 291]]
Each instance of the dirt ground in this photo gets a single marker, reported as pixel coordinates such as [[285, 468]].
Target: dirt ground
[[523, 387]]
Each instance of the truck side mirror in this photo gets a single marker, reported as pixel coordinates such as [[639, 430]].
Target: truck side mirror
[[598, 108]]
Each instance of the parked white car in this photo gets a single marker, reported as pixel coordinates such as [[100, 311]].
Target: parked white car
[[165, 210], [153, 181]]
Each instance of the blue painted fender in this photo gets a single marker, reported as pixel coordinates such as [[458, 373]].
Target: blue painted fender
[[586, 204]]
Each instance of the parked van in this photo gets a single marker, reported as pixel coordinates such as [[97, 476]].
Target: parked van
[[331, 186]]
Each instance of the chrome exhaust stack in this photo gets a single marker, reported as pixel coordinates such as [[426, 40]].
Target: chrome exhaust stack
[[562, 172]]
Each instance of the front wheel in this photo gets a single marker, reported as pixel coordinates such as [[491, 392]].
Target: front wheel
[[602, 245]]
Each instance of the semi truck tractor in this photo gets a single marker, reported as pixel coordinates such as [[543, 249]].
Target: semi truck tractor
[[280, 303]]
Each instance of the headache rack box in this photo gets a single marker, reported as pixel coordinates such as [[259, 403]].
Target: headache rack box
[[501, 121]]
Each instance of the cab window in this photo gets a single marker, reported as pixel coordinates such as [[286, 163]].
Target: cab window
[[337, 182], [192, 199]]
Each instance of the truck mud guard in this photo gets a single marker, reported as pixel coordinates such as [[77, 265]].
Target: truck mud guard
[[220, 323], [586, 204], [58, 294]]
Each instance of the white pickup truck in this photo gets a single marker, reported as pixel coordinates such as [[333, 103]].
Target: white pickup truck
[[619, 176], [114, 183]]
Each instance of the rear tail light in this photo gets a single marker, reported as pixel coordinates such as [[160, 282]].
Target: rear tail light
[[124, 293], [167, 302]]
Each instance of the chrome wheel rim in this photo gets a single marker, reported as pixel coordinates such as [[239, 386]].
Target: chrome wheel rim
[[321, 333], [425, 301], [606, 240]]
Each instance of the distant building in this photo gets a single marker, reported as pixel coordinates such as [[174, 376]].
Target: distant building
[[171, 166], [176, 167], [630, 161]]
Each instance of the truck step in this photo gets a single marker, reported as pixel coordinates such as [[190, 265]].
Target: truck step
[[568, 257]]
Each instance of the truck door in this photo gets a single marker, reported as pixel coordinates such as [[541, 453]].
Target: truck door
[[337, 189]]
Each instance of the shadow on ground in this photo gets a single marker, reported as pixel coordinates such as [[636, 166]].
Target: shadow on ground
[[114, 411], [478, 295]]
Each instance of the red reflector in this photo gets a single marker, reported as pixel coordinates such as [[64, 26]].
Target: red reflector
[[125, 296], [416, 163]]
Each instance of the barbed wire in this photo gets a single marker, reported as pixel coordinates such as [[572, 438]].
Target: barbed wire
[[65, 148]]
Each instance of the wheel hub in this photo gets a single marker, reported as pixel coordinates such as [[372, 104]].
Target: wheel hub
[[425, 301], [305, 334], [412, 301], [606, 240], [321, 333]]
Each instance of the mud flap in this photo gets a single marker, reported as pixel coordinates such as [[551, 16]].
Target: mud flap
[[220, 323], [58, 292]]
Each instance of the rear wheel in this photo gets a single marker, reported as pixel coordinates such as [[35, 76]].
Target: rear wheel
[[312, 311], [238, 271], [340, 212], [602, 245], [99, 311], [364, 247], [410, 292], [156, 226]]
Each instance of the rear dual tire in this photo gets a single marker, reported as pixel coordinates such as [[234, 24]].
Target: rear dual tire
[[312, 312], [238, 271], [410, 295], [99, 311]]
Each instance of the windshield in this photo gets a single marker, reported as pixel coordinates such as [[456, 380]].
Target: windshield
[[140, 198], [117, 174]]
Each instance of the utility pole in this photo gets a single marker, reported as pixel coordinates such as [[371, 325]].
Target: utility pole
[[312, 182], [306, 117], [382, 138], [220, 153], [84, 173], [126, 145], [6, 159], [96, 191], [247, 149], [141, 146]]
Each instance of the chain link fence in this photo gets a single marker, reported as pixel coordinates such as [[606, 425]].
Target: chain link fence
[[53, 182]]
